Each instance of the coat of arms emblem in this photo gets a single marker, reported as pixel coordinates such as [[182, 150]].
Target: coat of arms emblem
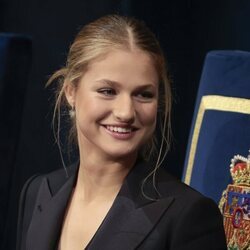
[[235, 205]]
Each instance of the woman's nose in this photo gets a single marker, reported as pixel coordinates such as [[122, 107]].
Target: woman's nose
[[124, 110]]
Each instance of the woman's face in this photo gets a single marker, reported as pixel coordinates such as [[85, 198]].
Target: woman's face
[[116, 104]]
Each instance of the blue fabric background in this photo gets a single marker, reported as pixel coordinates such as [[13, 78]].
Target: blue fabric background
[[222, 134]]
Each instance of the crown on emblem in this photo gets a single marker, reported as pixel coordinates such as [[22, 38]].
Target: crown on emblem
[[240, 169]]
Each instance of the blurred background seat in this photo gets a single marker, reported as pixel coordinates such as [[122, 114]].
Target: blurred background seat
[[15, 63], [221, 122]]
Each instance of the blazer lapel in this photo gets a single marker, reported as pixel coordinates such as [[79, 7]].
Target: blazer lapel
[[48, 215], [131, 217]]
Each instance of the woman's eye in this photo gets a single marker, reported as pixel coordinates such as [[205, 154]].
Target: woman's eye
[[146, 95], [107, 91]]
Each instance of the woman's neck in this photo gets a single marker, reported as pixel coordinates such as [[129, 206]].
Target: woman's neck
[[101, 180]]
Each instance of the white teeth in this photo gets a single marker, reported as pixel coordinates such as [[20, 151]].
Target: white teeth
[[119, 129]]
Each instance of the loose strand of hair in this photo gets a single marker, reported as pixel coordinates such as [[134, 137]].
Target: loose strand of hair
[[159, 161], [164, 145], [58, 141], [57, 115]]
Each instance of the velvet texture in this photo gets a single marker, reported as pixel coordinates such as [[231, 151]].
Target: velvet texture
[[221, 133], [15, 62]]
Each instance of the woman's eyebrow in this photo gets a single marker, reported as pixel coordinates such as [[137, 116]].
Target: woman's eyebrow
[[109, 82], [115, 83]]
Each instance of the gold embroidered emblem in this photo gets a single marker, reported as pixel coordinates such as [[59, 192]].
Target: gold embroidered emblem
[[235, 205]]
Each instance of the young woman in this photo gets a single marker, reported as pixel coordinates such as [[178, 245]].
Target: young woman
[[115, 87]]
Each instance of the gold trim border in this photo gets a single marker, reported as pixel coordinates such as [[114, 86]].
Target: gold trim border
[[218, 103]]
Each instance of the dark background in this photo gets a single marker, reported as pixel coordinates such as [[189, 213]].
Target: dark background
[[187, 30]]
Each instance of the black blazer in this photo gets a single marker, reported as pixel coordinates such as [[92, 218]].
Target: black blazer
[[180, 218]]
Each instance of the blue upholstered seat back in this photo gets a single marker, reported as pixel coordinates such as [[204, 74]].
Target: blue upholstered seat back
[[221, 122]]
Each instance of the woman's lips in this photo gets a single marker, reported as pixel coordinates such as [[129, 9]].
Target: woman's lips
[[120, 132]]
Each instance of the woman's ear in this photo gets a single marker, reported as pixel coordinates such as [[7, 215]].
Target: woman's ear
[[70, 92]]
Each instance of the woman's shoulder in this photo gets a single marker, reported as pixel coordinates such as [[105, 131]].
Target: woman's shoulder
[[30, 189], [26, 204], [164, 183], [30, 192], [54, 178], [189, 204], [169, 185]]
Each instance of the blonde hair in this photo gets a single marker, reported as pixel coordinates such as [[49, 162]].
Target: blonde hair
[[97, 39]]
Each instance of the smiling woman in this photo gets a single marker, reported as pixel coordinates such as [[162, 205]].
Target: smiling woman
[[116, 89], [116, 106]]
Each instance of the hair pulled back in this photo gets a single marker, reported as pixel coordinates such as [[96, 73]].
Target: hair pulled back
[[99, 38]]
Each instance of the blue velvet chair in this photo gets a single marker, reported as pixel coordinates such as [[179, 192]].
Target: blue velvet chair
[[15, 64], [221, 122]]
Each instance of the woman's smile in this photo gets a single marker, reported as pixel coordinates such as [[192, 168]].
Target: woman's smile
[[121, 132]]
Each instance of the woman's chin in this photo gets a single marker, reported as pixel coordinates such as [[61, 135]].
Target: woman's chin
[[123, 154]]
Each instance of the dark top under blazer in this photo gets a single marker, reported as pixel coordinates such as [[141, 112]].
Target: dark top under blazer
[[180, 219]]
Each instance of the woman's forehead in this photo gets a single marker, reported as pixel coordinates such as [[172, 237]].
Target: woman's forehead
[[120, 65]]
